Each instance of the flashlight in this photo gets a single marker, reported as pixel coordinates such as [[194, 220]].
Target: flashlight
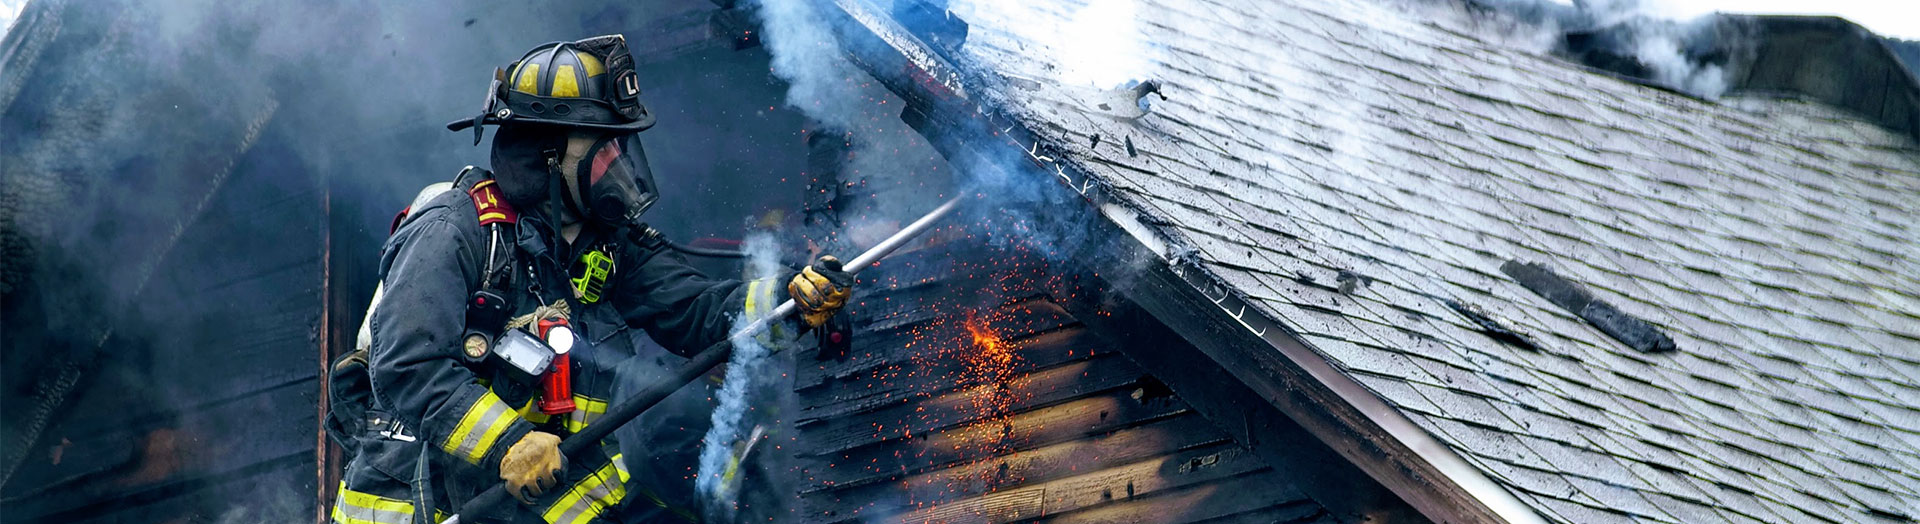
[[557, 386]]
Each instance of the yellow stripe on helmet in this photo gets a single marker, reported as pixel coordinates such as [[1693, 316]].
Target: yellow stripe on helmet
[[527, 79], [591, 64], [564, 83]]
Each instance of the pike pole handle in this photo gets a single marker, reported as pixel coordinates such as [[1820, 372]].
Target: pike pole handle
[[704, 361]]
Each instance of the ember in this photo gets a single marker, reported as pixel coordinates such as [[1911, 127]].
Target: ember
[[988, 371], [987, 376]]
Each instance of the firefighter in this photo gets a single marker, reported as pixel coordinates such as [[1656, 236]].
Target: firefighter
[[548, 237]]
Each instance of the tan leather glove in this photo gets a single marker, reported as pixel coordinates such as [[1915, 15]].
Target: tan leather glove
[[820, 290], [532, 466]]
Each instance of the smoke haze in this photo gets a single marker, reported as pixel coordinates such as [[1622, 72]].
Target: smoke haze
[[177, 172]]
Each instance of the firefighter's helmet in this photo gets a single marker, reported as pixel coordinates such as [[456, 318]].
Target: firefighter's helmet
[[582, 84]]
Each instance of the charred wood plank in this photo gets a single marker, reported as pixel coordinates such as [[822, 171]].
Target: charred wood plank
[[1108, 487], [902, 339], [1340, 486], [1034, 352], [1005, 473], [1194, 503], [932, 448], [1000, 471], [1044, 387]]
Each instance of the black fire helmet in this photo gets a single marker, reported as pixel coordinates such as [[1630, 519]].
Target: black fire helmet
[[586, 83]]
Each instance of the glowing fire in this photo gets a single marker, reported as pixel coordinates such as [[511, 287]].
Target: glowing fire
[[990, 360], [989, 373], [967, 380]]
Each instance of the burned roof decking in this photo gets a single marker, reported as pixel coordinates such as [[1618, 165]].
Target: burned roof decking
[[1772, 239], [911, 428]]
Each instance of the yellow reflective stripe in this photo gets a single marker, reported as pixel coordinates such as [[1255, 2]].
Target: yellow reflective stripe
[[483, 423], [753, 296], [760, 302], [590, 64], [353, 507], [527, 79], [564, 84], [586, 410], [590, 498], [531, 411]]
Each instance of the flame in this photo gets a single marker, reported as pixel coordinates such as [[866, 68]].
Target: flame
[[968, 367], [991, 359]]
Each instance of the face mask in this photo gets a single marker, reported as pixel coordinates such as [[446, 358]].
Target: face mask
[[608, 178]]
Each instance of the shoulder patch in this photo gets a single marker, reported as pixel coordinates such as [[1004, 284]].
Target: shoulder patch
[[492, 207]]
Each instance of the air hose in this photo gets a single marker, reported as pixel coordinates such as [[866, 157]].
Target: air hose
[[647, 233]]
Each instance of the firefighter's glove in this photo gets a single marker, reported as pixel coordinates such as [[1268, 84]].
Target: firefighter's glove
[[820, 290], [532, 466]]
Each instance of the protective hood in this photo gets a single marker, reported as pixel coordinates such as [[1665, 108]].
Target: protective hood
[[523, 162]]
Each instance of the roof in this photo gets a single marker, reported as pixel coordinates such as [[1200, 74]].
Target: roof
[[1770, 239], [971, 394]]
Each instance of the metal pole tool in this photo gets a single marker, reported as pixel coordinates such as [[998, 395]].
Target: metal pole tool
[[705, 361]]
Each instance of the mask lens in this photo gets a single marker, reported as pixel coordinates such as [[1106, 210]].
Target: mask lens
[[618, 186]]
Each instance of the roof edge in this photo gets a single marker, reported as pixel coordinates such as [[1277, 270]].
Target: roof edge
[[1834, 61], [1824, 59], [1285, 340], [938, 101]]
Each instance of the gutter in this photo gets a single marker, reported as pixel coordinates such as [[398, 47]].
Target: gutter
[[1405, 458]]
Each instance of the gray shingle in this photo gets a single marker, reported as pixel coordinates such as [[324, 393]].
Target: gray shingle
[[1311, 136]]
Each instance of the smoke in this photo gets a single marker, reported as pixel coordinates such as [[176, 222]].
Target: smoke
[[722, 450], [1100, 45], [821, 82], [172, 168], [9, 10], [1648, 33], [1648, 39]]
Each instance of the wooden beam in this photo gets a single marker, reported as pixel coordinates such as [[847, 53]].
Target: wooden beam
[[1204, 502], [1112, 489], [1337, 484], [1011, 473], [873, 351], [1047, 386], [328, 466], [930, 448]]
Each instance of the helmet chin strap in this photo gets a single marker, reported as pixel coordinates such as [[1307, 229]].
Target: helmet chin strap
[[564, 209]]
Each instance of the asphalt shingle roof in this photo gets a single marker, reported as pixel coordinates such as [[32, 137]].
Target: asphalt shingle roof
[[1772, 239]]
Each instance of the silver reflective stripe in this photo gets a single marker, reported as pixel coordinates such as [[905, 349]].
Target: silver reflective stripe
[[482, 431], [592, 501], [348, 514], [578, 507]]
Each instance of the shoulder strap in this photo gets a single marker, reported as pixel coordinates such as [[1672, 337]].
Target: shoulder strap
[[495, 214]]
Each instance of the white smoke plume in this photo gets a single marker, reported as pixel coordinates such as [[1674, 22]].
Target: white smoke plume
[[718, 460], [1101, 45], [9, 10], [1657, 40], [808, 56], [1653, 33]]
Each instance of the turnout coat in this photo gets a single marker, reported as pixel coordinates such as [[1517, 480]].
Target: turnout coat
[[438, 424]]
